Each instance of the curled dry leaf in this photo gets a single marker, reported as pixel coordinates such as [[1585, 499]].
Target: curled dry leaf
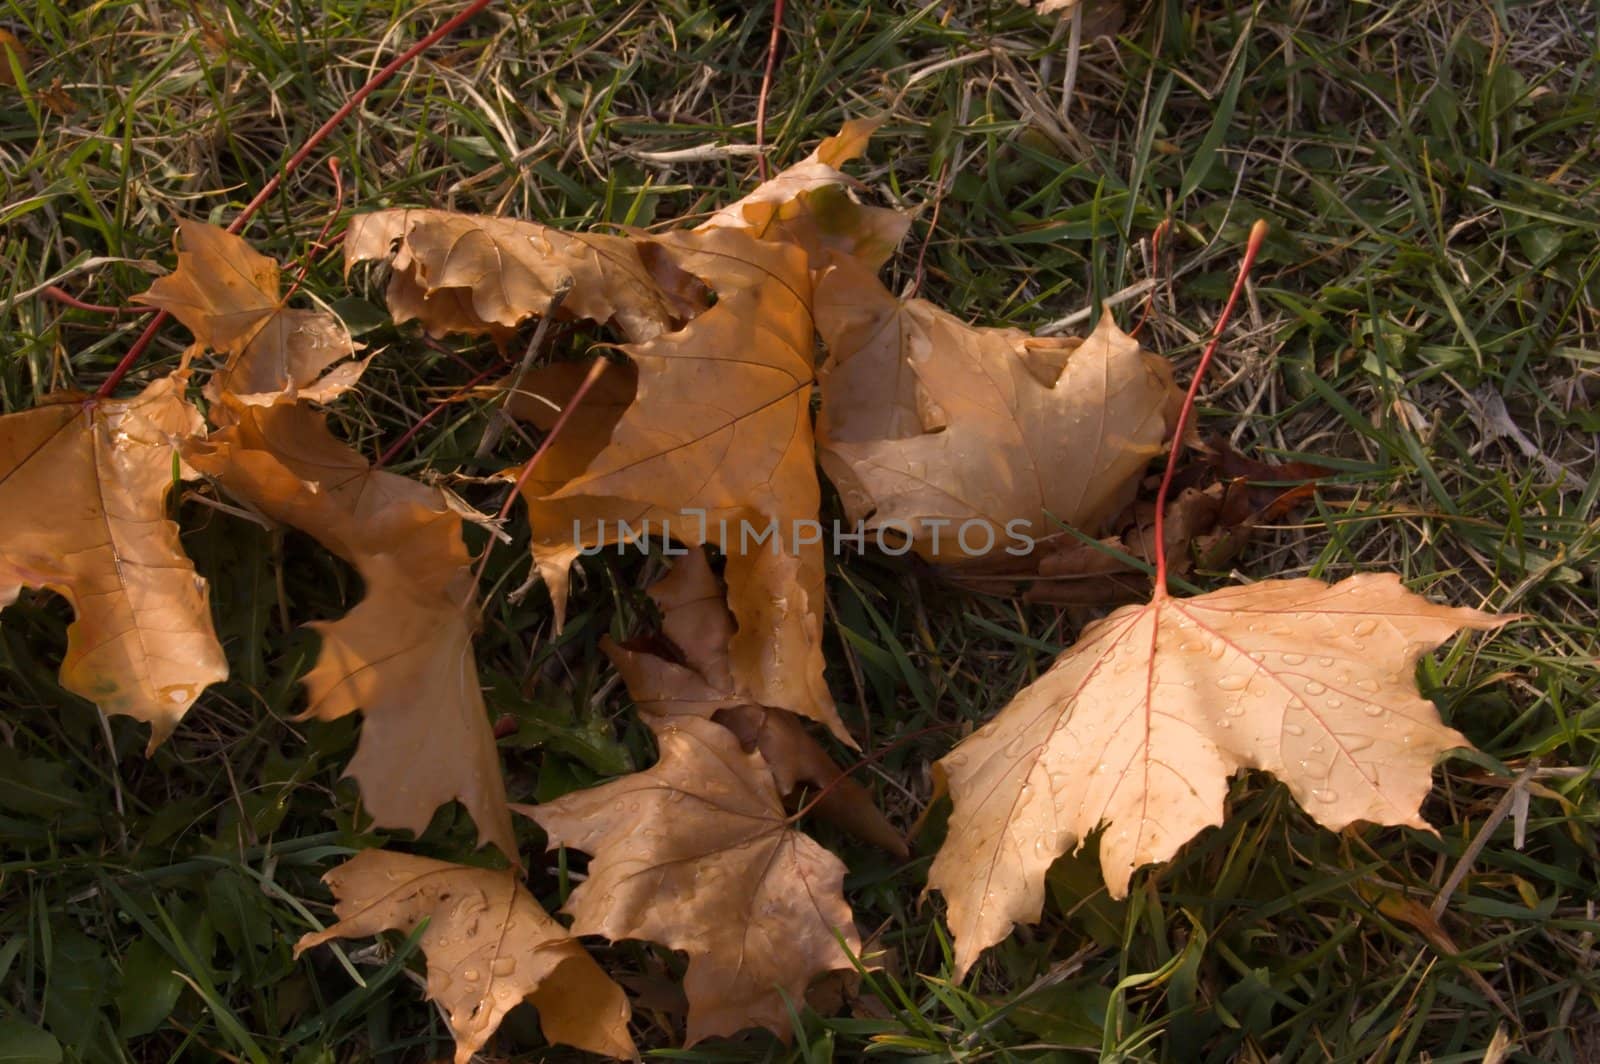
[[691, 676], [489, 948], [461, 273], [967, 441], [1139, 724], [697, 854], [83, 512], [811, 206], [227, 294], [715, 447], [403, 655]]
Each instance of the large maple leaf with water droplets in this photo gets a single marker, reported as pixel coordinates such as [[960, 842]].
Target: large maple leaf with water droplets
[[489, 948], [404, 655], [1139, 724], [696, 853], [83, 512]]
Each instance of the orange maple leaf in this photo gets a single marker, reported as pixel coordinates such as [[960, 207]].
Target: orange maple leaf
[[403, 655], [83, 512], [1139, 724], [696, 853], [227, 294], [489, 948], [931, 426]]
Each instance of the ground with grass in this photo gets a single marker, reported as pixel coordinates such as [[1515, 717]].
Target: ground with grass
[[1422, 320]]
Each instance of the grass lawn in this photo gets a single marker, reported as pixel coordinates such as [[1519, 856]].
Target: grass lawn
[[1424, 319]]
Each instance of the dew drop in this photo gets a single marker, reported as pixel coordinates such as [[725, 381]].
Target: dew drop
[[1293, 729], [1323, 794], [1334, 703], [1233, 682], [1372, 709], [1318, 748], [471, 975], [1326, 663], [1367, 684], [1313, 687], [1293, 659], [503, 965], [1364, 628], [1224, 723]]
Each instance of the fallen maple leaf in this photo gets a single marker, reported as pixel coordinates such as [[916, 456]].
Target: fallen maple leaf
[[489, 947], [810, 205], [715, 447], [461, 273], [227, 294], [697, 854], [1139, 724], [403, 655], [697, 625], [83, 512], [968, 440]]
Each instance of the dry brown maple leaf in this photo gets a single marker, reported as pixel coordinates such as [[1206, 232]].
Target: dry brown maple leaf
[[697, 854], [715, 447], [227, 294], [403, 655], [462, 273], [932, 427], [1139, 724], [697, 625], [810, 205], [83, 512], [489, 948]]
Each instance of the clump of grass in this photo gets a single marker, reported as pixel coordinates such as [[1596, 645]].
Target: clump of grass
[[1423, 320]]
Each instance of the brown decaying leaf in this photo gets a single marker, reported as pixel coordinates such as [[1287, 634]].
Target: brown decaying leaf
[[459, 273], [489, 947], [83, 512], [1139, 724], [1207, 525], [697, 854], [403, 655], [227, 294], [697, 625], [719, 426], [1065, 570], [931, 426], [810, 205]]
